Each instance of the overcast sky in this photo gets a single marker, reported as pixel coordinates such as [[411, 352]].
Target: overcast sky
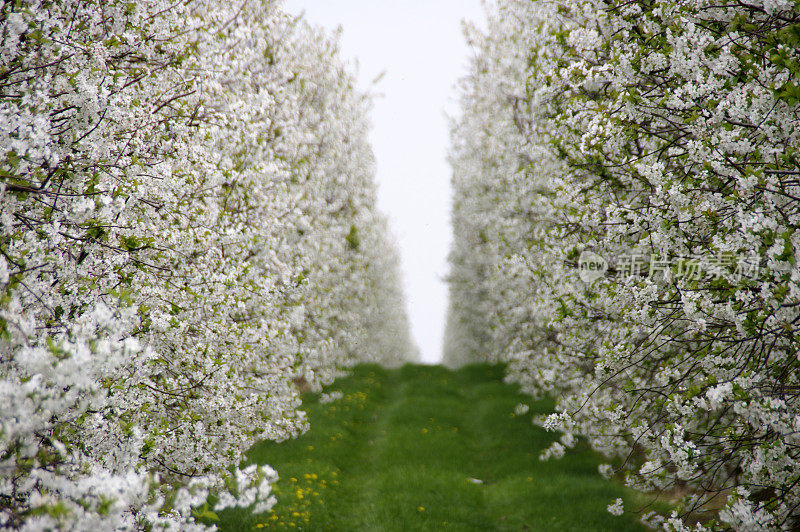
[[420, 45]]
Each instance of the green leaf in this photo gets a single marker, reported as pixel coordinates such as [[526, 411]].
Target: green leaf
[[352, 238]]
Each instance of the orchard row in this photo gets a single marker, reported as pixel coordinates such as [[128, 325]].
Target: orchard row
[[597, 131], [187, 232]]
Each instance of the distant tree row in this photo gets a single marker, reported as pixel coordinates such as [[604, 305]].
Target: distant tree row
[[627, 237], [187, 226]]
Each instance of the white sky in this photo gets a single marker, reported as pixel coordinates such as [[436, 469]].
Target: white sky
[[420, 46]]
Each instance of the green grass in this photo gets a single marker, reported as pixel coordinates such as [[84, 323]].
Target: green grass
[[397, 452]]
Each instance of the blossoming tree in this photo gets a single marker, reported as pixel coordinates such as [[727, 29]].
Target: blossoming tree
[[661, 138], [179, 181]]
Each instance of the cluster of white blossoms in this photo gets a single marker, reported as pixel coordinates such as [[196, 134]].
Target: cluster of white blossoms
[[657, 129], [187, 225]]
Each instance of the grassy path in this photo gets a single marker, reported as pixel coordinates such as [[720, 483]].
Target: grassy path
[[424, 448]]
